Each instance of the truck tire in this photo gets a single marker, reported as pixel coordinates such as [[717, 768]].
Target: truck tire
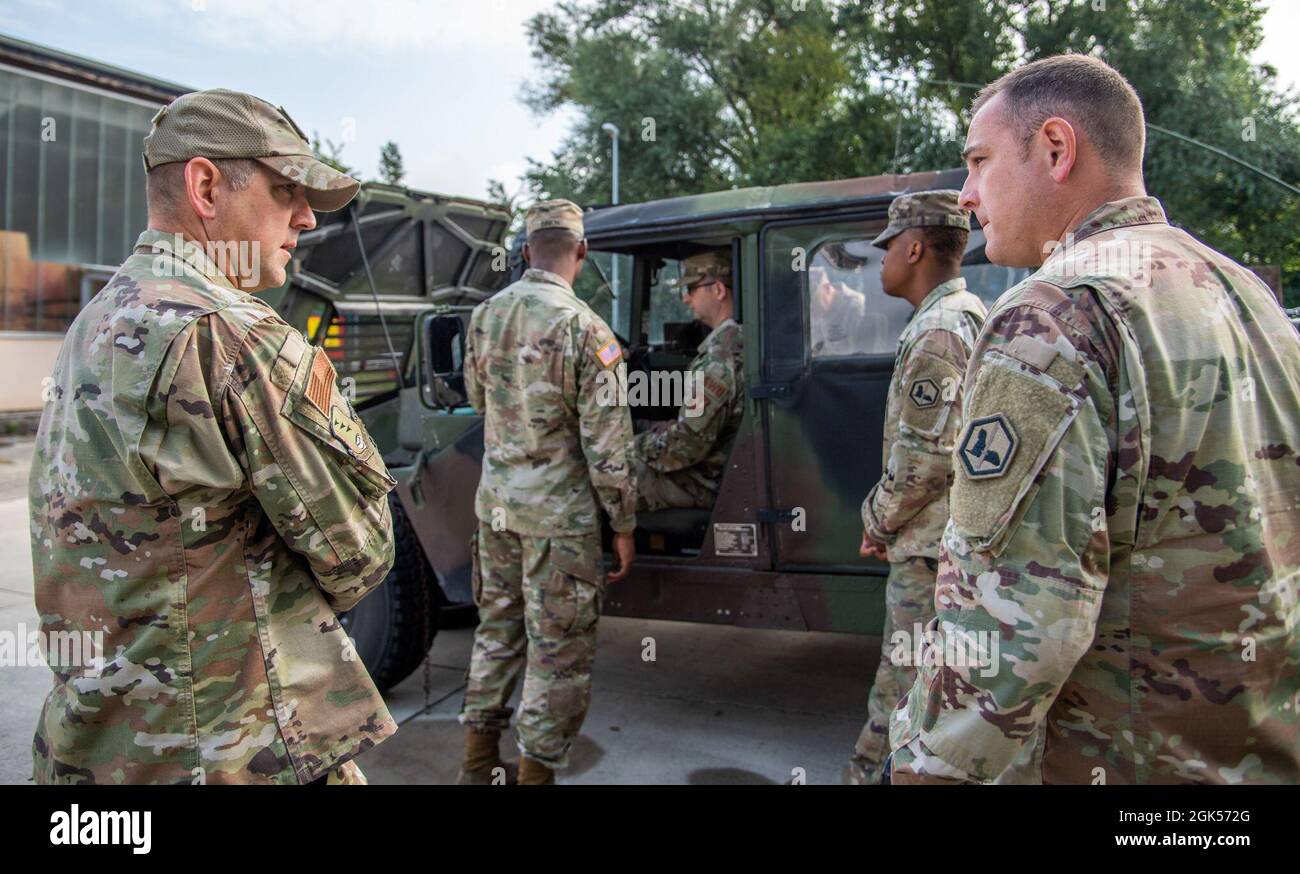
[[394, 626]]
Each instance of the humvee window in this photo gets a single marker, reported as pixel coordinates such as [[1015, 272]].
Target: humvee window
[[848, 312], [606, 279], [666, 306]]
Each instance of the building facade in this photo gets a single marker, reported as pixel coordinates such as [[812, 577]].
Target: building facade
[[71, 197]]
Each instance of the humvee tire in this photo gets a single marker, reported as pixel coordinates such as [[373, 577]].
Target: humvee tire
[[394, 626]]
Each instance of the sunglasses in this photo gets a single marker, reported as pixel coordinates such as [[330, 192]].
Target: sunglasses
[[688, 290]]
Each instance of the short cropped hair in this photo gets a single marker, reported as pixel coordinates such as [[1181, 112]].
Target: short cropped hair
[[164, 186], [947, 243], [549, 244], [1087, 91]]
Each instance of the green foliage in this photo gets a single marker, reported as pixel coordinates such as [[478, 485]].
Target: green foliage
[[391, 169], [725, 93], [511, 201], [329, 153]]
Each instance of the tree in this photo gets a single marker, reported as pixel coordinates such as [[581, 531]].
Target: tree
[[1189, 61], [724, 93], [710, 95], [329, 153], [390, 164], [513, 202]]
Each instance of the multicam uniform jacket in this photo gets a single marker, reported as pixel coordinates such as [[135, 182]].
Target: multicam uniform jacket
[[203, 495], [1125, 523], [693, 449], [908, 508], [552, 448]]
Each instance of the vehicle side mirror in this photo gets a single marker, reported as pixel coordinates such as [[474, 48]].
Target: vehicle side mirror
[[444, 361]]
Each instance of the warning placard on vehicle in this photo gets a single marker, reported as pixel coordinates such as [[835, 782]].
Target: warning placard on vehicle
[[735, 539]]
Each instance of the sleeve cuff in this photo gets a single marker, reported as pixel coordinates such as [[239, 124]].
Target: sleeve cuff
[[871, 526]]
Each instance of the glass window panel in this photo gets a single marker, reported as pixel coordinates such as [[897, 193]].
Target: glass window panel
[[24, 179], [72, 191], [848, 312], [7, 84], [54, 172], [594, 287], [136, 217], [112, 195], [84, 187], [59, 297], [666, 305]]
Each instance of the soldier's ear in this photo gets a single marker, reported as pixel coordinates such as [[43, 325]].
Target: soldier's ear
[[1059, 148], [915, 249], [528, 254], [201, 187]]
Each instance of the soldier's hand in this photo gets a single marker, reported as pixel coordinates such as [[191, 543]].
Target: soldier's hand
[[871, 548], [625, 552]]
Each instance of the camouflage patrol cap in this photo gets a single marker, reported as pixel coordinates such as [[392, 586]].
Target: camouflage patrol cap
[[713, 264], [555, 214], [219, 123], [937, 208]]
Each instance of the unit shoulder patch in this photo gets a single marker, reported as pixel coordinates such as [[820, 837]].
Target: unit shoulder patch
[[989, 444], [1018, 418], [931, 391], [924, 393]]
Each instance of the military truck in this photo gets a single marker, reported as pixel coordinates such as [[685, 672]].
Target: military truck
[[779, 548]]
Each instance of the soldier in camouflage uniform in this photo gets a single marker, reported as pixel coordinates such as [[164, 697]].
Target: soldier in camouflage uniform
[[554, 453], [1125, 515], [904, 515], [680, 463], [201, 493], [836, 316]]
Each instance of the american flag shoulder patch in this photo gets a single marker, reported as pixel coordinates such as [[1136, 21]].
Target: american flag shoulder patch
[[609, 354], [320, 385]]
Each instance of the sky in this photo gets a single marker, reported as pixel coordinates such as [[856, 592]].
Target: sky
[[442, 78]]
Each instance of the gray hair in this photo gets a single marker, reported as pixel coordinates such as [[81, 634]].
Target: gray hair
[[164, 186]]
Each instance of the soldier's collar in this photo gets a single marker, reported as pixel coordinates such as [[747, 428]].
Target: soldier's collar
[[1143, 210], [174, 243], [941, 290], [713, 335], [535, 274]]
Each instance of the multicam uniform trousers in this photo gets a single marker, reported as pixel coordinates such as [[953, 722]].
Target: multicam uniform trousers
[[909, 602], [538, 602]]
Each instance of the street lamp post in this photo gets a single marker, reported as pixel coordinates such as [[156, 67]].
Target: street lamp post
[[612, 130]]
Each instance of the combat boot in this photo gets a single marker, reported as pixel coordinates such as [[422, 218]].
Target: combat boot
[[534, 773], [482, 758]]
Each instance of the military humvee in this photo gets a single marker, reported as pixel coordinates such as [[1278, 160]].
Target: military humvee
[[779, 549]]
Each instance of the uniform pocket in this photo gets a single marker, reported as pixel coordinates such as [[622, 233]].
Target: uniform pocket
[[1017, 417], [574, 587]]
